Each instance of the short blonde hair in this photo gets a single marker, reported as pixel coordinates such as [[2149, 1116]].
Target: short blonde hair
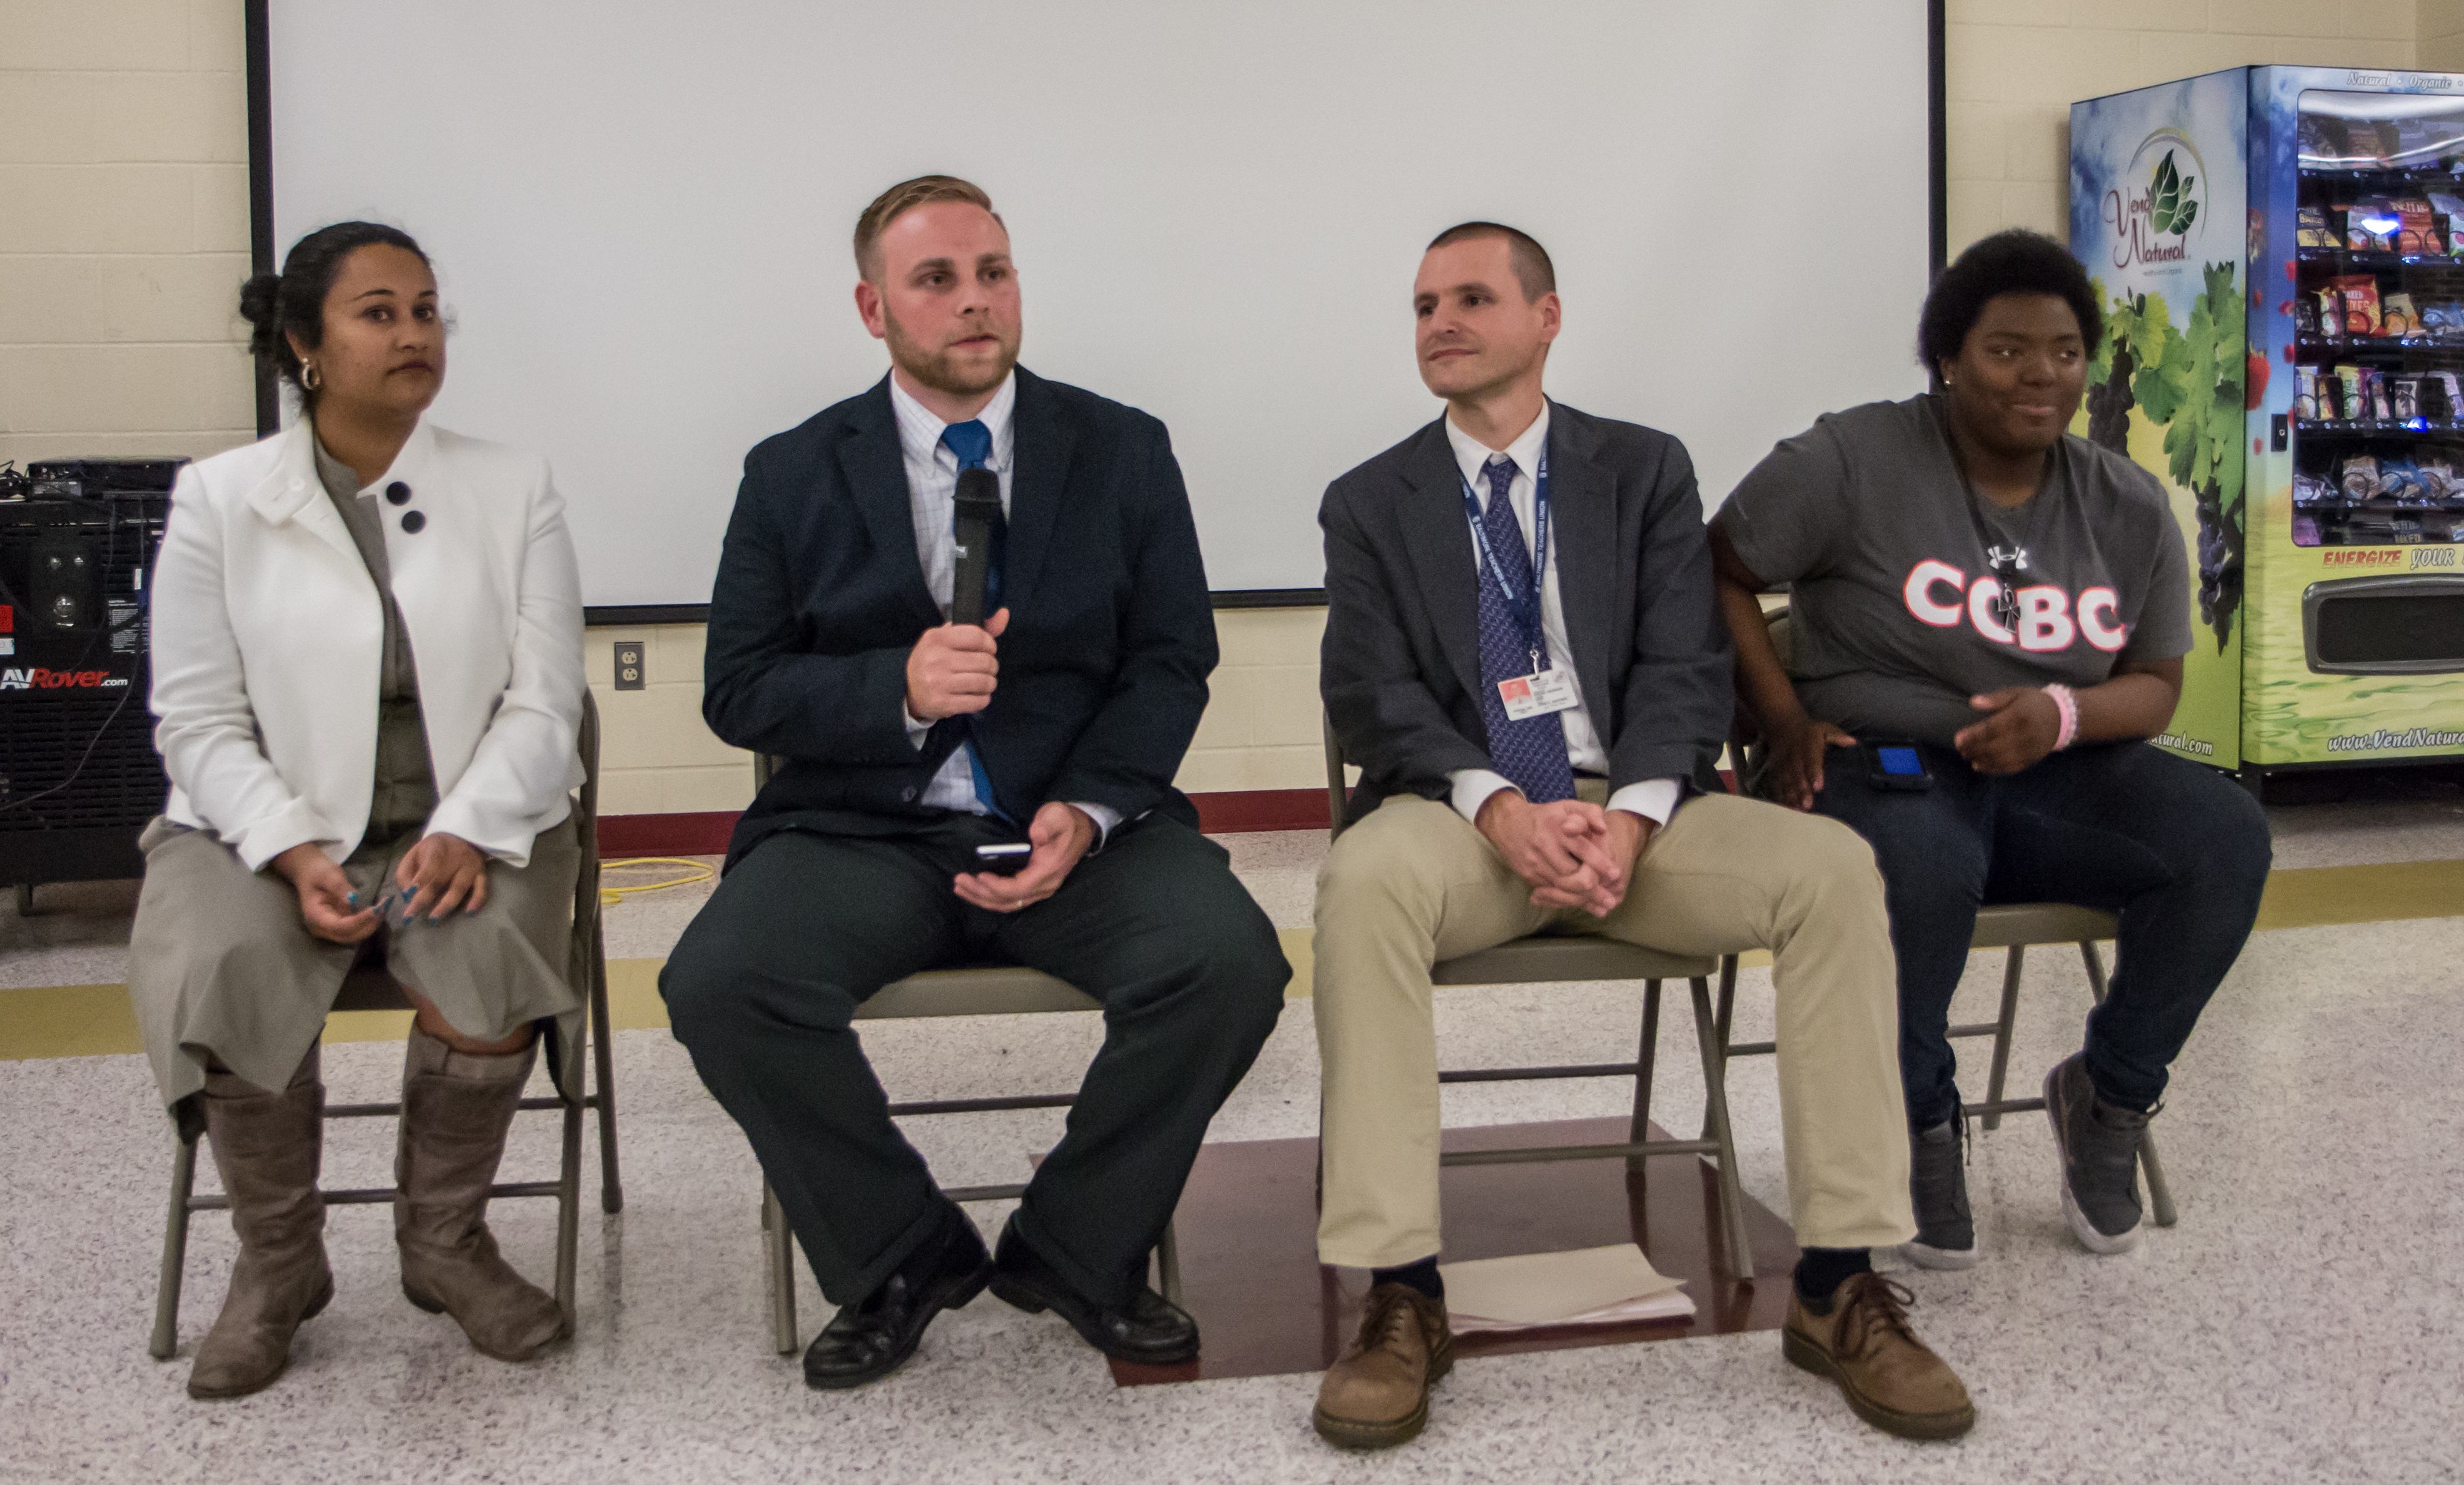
[[904, 197]]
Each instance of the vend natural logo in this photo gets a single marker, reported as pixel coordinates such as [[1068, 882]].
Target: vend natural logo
[[2152, 224]]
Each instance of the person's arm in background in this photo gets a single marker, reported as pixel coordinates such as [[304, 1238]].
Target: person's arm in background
[[1782, 522], [1799, 745]]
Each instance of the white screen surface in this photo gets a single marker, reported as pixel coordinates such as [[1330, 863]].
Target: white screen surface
[[640, 216]]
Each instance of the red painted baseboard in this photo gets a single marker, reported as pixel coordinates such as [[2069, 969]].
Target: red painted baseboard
[[1227, 813], [666, 835], [1260, 810]]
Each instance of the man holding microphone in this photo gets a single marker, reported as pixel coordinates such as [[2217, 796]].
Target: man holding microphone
[[916, 751]]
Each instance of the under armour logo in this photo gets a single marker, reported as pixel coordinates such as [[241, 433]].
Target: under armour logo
[[2014, 558]]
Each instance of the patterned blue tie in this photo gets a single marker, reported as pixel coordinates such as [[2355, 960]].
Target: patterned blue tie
[[1531, 753], [973, 444]]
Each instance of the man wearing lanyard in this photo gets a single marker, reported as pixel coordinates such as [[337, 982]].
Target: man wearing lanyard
[[1538, 722]]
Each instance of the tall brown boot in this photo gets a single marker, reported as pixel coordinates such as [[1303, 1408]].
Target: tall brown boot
[[267, 1146], [455, 1109]]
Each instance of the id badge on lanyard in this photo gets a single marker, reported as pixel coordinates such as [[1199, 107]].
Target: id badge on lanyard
[[1539, 692]]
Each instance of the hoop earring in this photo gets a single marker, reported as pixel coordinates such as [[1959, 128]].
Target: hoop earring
[[309, 378]]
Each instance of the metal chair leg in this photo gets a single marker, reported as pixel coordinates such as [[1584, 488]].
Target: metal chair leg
[[2160, 1196], [1168, 1263], [1733, 1193], [1641, 1126], [602, 1053], [1727, 1001], [175, 1254], [778, 1242], [2015, 962], [568, 1208]]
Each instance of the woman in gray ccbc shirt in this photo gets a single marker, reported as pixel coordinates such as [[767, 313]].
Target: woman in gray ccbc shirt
[[1996, 610]]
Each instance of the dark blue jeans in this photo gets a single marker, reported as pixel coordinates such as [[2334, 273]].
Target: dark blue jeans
[[2177, 850]]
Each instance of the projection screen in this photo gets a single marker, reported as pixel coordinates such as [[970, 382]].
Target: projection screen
[[640, 218]]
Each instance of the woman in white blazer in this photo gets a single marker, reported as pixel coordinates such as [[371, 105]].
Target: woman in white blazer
[[367, 676]]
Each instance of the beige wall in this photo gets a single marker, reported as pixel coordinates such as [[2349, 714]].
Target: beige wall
[[123, 228], [2014, 67], [122, 164]]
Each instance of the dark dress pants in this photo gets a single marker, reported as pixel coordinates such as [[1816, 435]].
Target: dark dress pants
[[802, 929], [2178, 851]]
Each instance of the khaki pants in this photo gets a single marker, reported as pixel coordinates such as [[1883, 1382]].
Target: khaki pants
[[1415, 883]]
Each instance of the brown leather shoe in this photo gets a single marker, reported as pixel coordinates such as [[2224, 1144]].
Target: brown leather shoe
[[1376, 1395], [1888, 1376]]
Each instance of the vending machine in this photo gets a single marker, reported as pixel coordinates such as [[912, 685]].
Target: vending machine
[[2280, 256]]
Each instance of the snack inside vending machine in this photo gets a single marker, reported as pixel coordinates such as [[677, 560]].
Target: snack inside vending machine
[[2280, 252]]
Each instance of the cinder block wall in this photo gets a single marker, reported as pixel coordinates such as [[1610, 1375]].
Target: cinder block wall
[[2013, 68], [123, 228], [124, 236]]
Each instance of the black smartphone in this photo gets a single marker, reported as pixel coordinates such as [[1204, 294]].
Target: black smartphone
[[1003, 860], [1897, 767]]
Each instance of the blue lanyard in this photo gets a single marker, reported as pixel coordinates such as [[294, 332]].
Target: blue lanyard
[[1524, 607]]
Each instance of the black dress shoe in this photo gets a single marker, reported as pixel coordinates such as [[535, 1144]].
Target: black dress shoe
[[1153, 1331], [871, 1339]]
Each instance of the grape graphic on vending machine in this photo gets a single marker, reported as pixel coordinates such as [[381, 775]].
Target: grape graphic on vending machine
[[2167, 388]]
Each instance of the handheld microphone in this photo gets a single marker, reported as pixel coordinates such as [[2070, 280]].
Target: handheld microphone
[[979, 510]]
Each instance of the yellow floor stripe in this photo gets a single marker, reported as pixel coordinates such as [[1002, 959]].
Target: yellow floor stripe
[[2363, 893], [94, 1020]]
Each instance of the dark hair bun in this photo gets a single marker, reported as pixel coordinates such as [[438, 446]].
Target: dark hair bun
[[289, 306], [259, 298]]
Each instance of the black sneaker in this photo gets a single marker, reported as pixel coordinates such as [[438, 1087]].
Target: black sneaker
[[2100, 1151], [1938, 1189]]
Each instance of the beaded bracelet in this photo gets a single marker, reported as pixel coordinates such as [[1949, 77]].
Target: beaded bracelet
[[2068, 705]]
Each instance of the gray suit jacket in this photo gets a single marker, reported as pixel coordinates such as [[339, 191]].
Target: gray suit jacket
[[1399, 667]]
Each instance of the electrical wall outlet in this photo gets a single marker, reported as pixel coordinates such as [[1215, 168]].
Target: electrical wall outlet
[[631, 674]]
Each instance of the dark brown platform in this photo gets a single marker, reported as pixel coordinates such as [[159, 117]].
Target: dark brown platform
[[1248, 1227]]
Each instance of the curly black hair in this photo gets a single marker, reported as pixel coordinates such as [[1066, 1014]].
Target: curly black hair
[[291, 303], [2017, 261]]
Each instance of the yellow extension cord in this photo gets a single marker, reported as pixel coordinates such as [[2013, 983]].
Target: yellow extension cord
[[609, 897]]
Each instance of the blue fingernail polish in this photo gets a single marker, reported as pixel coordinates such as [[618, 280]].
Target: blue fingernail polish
[[353, 899]]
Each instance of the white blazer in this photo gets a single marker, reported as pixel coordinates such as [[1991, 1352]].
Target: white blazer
[[268, 633]]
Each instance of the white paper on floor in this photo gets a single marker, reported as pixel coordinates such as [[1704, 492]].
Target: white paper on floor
[[1588, 1286]]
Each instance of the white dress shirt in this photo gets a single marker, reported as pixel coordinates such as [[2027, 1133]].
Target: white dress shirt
[[931, 500], [1652, 799]]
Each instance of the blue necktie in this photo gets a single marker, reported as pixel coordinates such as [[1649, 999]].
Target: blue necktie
[[1531, 753], [972, 442]]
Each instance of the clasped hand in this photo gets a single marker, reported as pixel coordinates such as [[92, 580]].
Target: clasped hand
[[1574, 855], [439, 874]]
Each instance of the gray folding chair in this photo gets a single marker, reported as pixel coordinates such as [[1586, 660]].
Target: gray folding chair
[[2012, 926], [368, 987], [1567, 958], [966, 991]]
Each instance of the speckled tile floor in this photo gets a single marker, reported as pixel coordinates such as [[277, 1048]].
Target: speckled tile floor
[[2297, 1325]]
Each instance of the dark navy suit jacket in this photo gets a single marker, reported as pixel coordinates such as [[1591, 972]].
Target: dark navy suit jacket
[[821, 595]]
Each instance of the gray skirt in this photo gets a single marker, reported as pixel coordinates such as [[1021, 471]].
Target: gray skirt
[[221, 967]]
